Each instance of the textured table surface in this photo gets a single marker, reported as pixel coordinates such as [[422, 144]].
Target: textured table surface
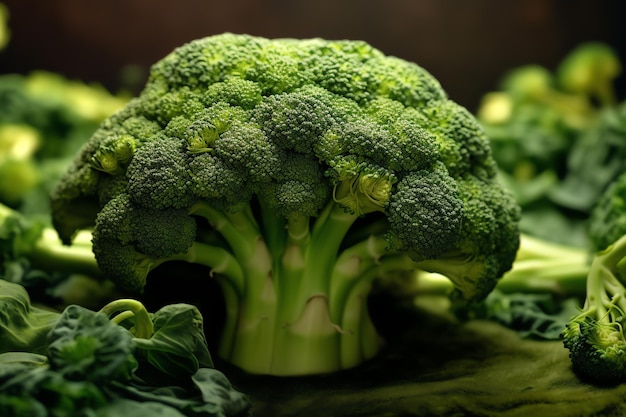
[[435, 366]]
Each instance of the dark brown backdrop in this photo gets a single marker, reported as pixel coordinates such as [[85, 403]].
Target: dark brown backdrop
[[467, 44]]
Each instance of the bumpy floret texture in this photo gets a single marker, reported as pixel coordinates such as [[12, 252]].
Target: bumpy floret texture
[[597, 350], [231, 119]]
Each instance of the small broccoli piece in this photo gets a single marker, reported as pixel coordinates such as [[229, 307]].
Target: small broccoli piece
[[591, 69], [484, 246], [298, 171], [128, 242], [595, 337]]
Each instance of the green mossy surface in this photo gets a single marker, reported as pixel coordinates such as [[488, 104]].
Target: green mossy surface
[[435, 366]]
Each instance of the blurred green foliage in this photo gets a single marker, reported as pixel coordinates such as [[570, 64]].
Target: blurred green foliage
[[44, 119], [559, 138]]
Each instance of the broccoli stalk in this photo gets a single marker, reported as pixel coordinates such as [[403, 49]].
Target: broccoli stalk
[[304, 310], [25, 239]]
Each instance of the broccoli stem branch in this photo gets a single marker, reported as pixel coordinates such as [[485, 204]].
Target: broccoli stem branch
[[248, 289], [51, 254], [238, 228], [143, 327], [357, 268], [273, 229], [293, 313], [604, 290], [220, 260], [327, 235]]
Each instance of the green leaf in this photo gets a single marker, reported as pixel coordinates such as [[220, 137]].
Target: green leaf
[[178, 347], [86, 345], [26, 391], [217, 389], [22, 326], [129, 408]]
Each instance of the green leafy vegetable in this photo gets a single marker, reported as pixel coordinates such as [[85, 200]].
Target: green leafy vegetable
[[558, 139], [85, 346], [44, 119], [80, 362]]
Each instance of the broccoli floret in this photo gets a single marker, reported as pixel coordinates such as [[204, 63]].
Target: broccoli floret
[[482, 245], [322, 165], [591, 69], [595, 337]]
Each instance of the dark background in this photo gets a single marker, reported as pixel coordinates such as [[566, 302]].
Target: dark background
[[467, 44]]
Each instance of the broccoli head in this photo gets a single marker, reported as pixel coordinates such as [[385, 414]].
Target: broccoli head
[[298, 171]]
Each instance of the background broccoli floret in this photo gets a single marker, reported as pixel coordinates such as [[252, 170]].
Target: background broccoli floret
[[557, 137], [44, 119]]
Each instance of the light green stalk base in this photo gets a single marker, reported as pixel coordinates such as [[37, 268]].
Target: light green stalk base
[[299, 306], [312, 344]]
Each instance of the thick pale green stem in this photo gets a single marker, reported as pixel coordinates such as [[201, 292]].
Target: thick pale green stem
[[301, 307], [238, 228], [308, 345], [308, 264], [290, 317], [50, 253], [143, 327], [248, 338], [253, 346], [326, 238]]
